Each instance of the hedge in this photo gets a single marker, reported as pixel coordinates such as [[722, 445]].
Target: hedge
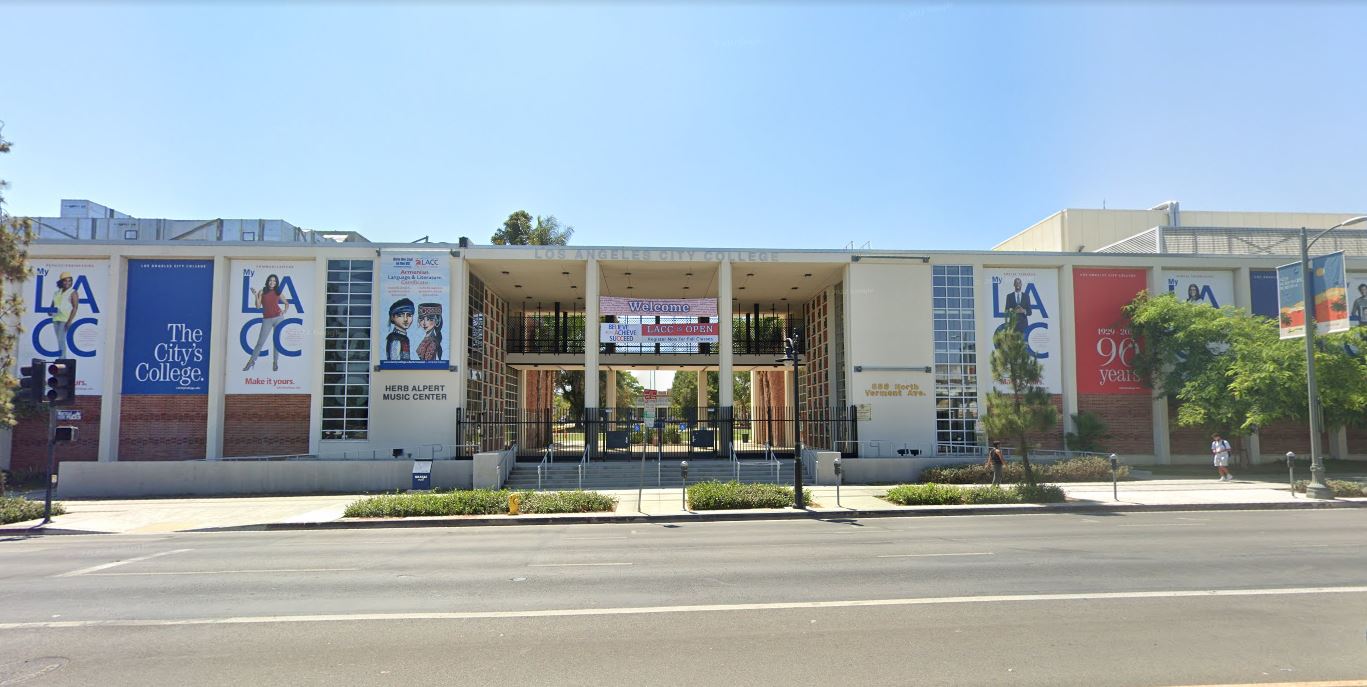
[[734, 495], [946, 495], [15, 509], [1088, 469], [477, 502], [1340, 487]]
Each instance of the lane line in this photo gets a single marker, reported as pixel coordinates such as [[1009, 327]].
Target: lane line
[[1167, 524], [714, 608], [223, 572], [593, 538], [115, 564], [570, 565], [932, 555]]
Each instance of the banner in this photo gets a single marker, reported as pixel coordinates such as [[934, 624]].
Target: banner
[[678, 333], [1328, 283], [1215, 288], [666, 307], [1263, 287], [1357, 300], [1026, 299], [270, 351], [63, 315], [415, 297], [167, 326], [1105, 345]]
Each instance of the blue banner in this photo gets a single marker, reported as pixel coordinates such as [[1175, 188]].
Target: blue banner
[[1263, 287], [167, 318]]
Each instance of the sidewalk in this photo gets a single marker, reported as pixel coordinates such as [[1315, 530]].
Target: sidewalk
[[150, 516]]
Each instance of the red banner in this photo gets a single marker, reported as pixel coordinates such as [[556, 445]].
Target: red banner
[[1105, 345]]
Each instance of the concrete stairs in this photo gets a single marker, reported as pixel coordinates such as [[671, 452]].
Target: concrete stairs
[[564, 475]]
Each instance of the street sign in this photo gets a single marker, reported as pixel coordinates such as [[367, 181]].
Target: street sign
[[64, 415]]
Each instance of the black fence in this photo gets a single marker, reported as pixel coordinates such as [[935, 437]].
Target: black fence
[[619, 433]]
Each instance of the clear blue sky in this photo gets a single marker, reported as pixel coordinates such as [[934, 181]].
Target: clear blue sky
[[935, 125]]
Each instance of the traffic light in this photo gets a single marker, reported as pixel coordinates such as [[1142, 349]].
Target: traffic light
[[33, 381], [61, 382]]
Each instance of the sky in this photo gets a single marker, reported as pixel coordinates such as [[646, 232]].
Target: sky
[[938, 125]]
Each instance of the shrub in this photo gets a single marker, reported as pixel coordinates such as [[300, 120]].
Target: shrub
[[1039, 493], [1091, 431], [734, 495], [565, 502], [14, 509], [947, 495], [1088, 469], [477, 502], [1340, 487]]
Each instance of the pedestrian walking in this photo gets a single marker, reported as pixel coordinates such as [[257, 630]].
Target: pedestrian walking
[[1219, 448], [995, 462]]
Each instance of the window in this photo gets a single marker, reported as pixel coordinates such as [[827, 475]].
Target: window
[[251, 236], [956, 360], [346, 350]]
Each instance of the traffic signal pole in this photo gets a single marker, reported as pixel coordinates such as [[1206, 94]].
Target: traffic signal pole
[[51, 461]]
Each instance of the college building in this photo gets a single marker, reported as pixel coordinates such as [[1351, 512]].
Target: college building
[[201, 342]]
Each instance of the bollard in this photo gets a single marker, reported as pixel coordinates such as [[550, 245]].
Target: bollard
[[1115, 477], [1291, 472], [514, 503]]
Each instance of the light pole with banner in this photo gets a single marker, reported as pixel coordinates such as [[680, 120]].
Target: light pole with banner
[[792, 349], [1316, 489]]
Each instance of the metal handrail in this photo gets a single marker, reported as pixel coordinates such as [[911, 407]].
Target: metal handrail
[[547, 459]]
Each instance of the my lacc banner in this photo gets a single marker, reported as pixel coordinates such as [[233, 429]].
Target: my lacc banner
[[167, 319], [1106, 346]]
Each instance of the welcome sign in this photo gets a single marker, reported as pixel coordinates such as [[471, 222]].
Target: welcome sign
[[668, 307]]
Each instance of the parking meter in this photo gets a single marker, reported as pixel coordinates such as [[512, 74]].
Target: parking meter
[[1115, 477], [838, 470], [683, 473], [1291, 472]]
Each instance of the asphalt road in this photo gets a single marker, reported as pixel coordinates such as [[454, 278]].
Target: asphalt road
[[1134, 599]]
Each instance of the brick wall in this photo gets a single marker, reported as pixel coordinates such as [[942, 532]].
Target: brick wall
[[1053, 439], [1128, 418], [1357, 441], [29, 441], [1188, 441], [163, 427], [265, 425], [1280, 437]]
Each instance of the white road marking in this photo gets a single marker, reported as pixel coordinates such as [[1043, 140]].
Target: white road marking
[[115, 564], [223, 572], [932, 555], [715, 608], [593, 538], [1167, 524], [570, 565]]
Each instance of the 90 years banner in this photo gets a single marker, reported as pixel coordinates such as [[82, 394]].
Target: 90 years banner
[[1106, 346]]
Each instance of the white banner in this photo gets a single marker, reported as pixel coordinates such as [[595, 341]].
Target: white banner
[[270, 348], [1214, 288], [677, 333], [415, 301], [1026, 299], [1357, 299], [67, 322], [665, 307]]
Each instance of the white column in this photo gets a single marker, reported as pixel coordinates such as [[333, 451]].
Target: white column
[[460, 327], [316, 327], [1067, 350], [725, 387], [1162, 437], [1338, 443], [591, 318], [213, 444], [611, 389], [110, 402], [701, 403]]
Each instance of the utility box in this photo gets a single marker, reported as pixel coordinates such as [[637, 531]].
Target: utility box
[[422, 475]]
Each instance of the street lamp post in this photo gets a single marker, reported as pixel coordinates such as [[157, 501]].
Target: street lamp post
[[1316, 489], [792, 351]]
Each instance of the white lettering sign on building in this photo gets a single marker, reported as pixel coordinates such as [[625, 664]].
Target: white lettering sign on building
[[64, 309], [664, 307], [645, 333], [270, 348], [1025, 299]]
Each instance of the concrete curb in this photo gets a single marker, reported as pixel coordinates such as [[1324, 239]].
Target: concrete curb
[[753, 515]]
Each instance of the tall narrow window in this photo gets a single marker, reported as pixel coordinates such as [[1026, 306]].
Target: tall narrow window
[[346, 350], [956, 360]]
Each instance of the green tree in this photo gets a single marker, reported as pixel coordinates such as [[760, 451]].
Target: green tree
[[1091, 431], [518, 230], [15, 234], [1025, 406]]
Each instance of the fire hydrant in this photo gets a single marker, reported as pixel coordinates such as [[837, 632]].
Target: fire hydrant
[[514, 502]]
